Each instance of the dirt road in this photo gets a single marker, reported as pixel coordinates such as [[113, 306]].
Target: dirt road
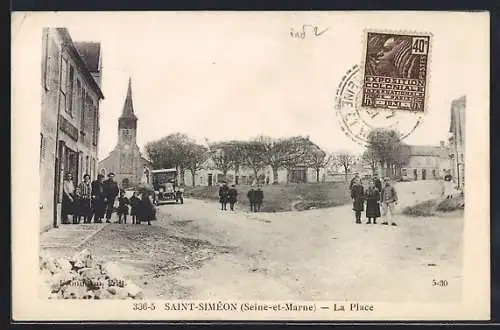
[[312, 255]]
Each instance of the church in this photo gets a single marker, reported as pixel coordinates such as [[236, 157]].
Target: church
[[126, 161]]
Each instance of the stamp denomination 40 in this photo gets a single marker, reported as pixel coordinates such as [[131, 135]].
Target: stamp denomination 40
[[395, 71]]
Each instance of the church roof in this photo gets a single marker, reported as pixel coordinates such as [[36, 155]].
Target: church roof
[[128, 107]]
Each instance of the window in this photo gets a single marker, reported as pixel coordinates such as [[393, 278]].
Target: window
[[70, 92]]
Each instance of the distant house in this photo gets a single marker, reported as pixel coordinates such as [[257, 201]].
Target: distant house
[[457, 141], [426, 162], [209, 176]]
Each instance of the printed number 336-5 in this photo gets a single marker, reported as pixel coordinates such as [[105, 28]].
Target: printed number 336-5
[[441, 283]]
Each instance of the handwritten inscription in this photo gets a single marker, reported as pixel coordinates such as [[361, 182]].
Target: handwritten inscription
[[306, 30]]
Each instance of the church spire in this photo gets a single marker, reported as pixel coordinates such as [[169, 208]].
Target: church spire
[[128, 107], [128, 119]]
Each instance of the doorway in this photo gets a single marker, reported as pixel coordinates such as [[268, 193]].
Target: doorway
[[415, 174], [424, 174], [210, 179]]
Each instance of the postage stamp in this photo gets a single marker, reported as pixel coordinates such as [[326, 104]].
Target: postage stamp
[[357, 122], [396, 70]]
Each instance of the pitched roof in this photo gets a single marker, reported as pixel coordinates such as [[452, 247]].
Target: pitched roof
[[90, 52], [68, 42], [128, 106], [423, 150]]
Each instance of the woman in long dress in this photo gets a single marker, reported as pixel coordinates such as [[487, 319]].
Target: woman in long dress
[[372, 196]]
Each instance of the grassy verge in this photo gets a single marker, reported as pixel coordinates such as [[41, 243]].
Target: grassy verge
[[285, 197], [435, 206]]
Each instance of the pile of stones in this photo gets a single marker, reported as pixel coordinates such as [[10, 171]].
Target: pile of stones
[[83, 277]]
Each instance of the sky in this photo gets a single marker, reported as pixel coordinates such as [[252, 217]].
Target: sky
[[234, 75]]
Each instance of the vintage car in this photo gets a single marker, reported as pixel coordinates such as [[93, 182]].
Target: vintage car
[[165, 186]]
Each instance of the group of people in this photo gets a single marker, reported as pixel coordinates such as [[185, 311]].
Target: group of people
[[230, 195], [96, 201], [376, 196]]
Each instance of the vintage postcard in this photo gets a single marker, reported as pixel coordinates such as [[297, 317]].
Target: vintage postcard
[[250, 166]]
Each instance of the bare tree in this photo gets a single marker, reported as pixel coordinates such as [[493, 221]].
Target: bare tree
[[253, 155], [197, 157], [344, 159], [317, 159], [369, 157], [221, 153]]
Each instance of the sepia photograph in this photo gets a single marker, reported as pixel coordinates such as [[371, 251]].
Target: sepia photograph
[[254, 165]]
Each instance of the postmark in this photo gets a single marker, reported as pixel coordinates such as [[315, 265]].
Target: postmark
[[357, 122], [395, 71]]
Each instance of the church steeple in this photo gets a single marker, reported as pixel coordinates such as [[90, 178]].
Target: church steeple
[[128, 119]]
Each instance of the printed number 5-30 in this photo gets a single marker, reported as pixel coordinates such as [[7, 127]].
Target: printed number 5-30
[[441, 283], [419, 46]]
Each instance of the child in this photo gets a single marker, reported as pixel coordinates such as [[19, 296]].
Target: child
[[77, 206], [122, 211], [134, 203]]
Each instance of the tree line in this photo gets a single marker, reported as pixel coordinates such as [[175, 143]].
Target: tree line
[[179, 151], [386, 151]]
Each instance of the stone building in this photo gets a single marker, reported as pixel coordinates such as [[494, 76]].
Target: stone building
[[69, 130], [209, 176], [126, 161], [426, 162], [457, 141]]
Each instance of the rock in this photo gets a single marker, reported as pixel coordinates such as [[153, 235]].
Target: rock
[[81, 259], [132, 290], [114, 272], [74, 292], [60, 279], [121, 293], [63, 264], [102, 294]]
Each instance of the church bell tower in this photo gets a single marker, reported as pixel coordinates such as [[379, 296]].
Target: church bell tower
[[127, 123]]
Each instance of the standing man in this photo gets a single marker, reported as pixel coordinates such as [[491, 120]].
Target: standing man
[[232, 196], [389, 198], [111, 190], [223, 190], [99, 206], [251, 198], [356, 177], [259, 198], [86, 196]]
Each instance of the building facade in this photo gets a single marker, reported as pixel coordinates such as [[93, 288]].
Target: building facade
[[69, 131], [457, 141], [125, 160], [426, 163], [209, 176]]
